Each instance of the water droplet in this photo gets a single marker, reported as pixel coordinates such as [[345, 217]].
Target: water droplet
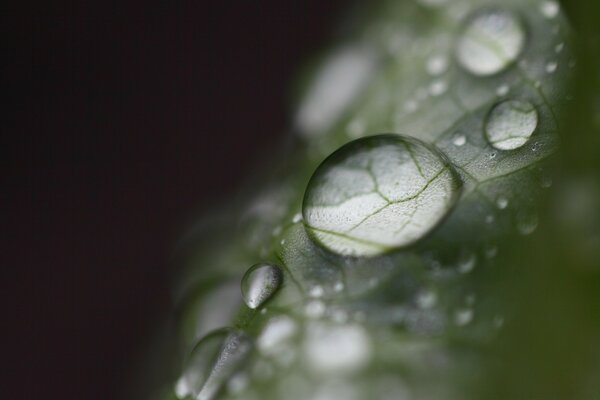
[[259, 283], [316, 291], [338, 287], [527, 222], [459, 140], [498, 321], [551, 67], [502, 202], [491, 41], [276, 334], [411, 106], [356, 128], [337, 349], [237, 384], [489, 219], [559, 48], [215, 358], [314, 309], [510, 124], [550, 9], [426, 299], [502, 90], [490, 251], [467, 262], [378, 194], [437, 65], [438, 88], [297, 218], [463, 316]]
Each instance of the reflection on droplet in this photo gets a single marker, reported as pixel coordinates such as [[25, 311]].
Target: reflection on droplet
[[467, 262], [550, 9], [276, 334], [510, 124], [297, 218], [490, 42], [377, 194], [214, 359], [259, 283]]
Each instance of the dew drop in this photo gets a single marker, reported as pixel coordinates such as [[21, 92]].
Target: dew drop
[[438, 88], [426, 299], [463, 316], [314, 309], [510, 124], [297, 218], [459, 140], [259, 283], [502, 90], [559, 48], [212, 362], [551, 67], [338, 287], [550, 9], [490, 42], [467, 262], [316, 291], [527, 222], [437, 65], [502, 202], [378, 194]]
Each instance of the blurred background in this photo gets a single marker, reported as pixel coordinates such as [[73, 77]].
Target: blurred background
[[123, 120]]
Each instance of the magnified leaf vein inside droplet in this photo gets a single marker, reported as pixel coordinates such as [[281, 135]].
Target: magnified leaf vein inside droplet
[[378, 194]]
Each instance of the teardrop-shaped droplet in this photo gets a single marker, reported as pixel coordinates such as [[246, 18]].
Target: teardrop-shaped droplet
[[259, 283], [510, 124], [378, 194], [491, 41], [212, 361]]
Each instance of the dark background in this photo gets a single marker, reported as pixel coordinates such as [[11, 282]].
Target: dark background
[[121, 120]]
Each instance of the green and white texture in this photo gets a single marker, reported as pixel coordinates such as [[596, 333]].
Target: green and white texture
[[384, 237]]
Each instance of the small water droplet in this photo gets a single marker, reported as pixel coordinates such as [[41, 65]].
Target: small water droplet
[[463, 316], [356, 128], [559, 48], [316, 291], [426, 299], [297, 218], [502, 90], [498, 321], [489, 219], [459, 140], [438, 88], [527, 222], [490, 251], [551, 67], [259, 283], [502, 202], [550, 9], [338, 287], [314, 309], [510, 124], [467, 262], [411, 106], [212, 362], [493, 155], [437, 65], [490, 42], [237, 384]]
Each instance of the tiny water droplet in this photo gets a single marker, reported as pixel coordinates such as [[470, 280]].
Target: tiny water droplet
[[338, 287], [510, 124], [467, 262], [550, 9], [316, 291], [411, 106], [212, 362], [493, 155], [490, 42], [463, 316], [259, 283], [426, 299], [498, 321], [551, 67], [527, 222], [297, 218], [559, 48], [438, 88], [437, 65], [489, 219], [502, 202], [459, 140], [356, 128], [490, 251], [502, 90], [314, 309]]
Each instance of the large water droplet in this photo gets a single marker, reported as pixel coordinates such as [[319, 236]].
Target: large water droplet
[[259, 283], [490, 42], [510, 124], [214, 359], [378, 194]]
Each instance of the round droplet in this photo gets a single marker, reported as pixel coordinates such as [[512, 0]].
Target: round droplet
[[550, 9], [215, 358], [459, 140], [510, 124], [463, 316], [502, 202], [467, 262], [259, 283], [502, 90], [379, 194], [527, 222], [437, 65], [491, 41]]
